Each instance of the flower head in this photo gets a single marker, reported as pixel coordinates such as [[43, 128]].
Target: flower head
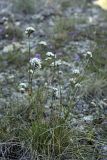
[[29, 31], [4, 19], [35, 62], [76, 57], [72, 80], [88, 54], [56, 63], [77, 85], [50, 54], [31, 71], [76, 71], [22, 90], [48, 58], [23, 85], [38, 56], [43, 43]]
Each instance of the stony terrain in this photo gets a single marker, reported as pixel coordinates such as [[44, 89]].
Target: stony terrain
[[71, 30]]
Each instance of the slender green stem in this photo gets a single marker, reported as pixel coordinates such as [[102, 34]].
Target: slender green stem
[[54, 62], [30, 76], [54, 68], [60, 89], [53, 143], [53, 98]]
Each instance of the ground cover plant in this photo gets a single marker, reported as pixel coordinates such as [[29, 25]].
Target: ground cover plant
[[53, 83]]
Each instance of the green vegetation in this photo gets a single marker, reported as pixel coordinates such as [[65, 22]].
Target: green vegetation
[[56, 109], [24, 6]]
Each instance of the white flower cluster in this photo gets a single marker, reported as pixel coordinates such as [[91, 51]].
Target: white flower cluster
[[56, 63], [88, 54], [72, 80], [29, 31], [35, 62], [55, 90], [76, 71], [50, 54], [30, 71], [23, 87], [77, 85], [43, 43]]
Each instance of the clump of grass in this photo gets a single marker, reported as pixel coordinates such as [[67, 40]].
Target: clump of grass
[[47, 140], [63, 28], [24, 6], [93, 86], [12, 31], [16, 57], [65, 5]]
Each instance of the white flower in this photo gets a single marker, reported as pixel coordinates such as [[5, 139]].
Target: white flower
[[46, 84], [55, 92], [29, 30], [31, 71], [76, 71], [5, 19], [93, 103], [54, 89], [88, 53], [66, 63], [35, 62], [23, 85], [72, 80], [91, 19], [88, 118], [43, 43], [22, 90], [60, 72], [50, 54], [56, 63], [78, 85], [48, 58]]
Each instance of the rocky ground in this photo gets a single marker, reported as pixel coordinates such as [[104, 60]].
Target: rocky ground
[[70, 31]]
